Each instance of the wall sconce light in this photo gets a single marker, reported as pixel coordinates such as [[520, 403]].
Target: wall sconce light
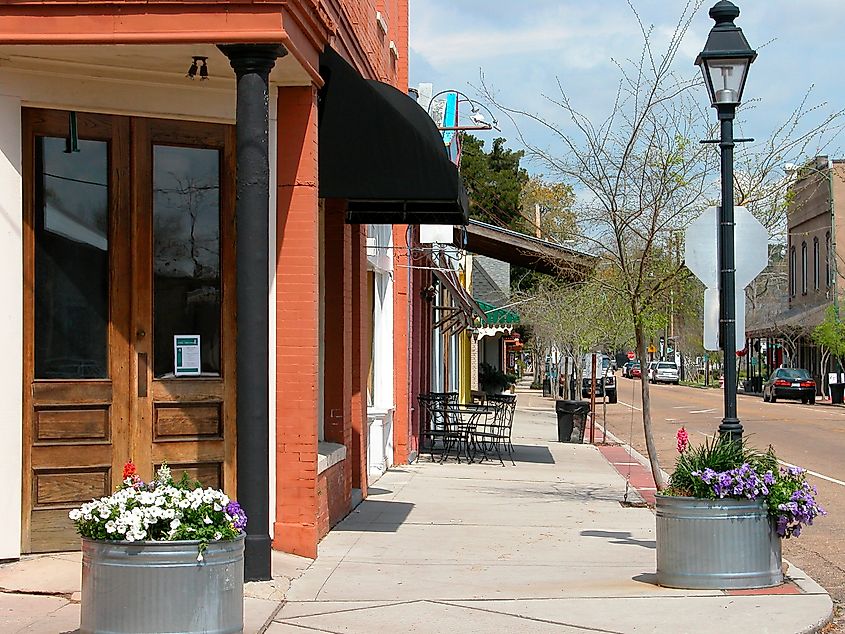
[[200, 64], [429, 293]]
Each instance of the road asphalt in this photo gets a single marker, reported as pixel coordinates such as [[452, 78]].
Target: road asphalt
[[544, 545]]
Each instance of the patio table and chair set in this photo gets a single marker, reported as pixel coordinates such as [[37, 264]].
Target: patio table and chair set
[[476, 431]]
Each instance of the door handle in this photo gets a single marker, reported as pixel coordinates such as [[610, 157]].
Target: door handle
[[142, 374]]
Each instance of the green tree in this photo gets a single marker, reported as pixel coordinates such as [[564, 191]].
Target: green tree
[[555, 201], [831, 334], [494, 182]]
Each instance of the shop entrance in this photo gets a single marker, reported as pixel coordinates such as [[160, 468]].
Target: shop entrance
[[129, 309]]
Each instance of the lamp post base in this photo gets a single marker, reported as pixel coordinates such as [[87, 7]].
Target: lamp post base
[[730, 429]]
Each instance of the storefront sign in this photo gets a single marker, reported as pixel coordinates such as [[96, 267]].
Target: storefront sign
[[186, 355]]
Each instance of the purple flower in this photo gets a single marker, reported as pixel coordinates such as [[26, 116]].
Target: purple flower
[[234, 510]]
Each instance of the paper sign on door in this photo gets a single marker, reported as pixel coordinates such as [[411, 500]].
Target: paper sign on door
[[186, 355]]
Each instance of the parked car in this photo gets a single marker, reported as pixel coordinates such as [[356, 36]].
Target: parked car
[[795, 383], [664, 372], [626, 369], [636, 371]]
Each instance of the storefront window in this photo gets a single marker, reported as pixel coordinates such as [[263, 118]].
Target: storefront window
[[186, 254], [71, 260]]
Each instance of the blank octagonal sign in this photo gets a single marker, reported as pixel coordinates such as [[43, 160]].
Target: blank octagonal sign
[[751, 252]]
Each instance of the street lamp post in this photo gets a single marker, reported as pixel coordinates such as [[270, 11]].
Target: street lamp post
[[724, 63]]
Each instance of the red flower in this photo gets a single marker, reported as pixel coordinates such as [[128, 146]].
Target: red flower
[[683, 440], [129, 470]]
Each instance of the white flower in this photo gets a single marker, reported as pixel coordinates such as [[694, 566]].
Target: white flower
[[199, 557], [218, 535], [206, 520], [174, 524], [75, 514]]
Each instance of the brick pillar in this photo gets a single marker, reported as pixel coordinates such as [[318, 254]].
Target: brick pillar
[[361, 311], [297, 323], [420, 354], [337, 346], [401, 347]]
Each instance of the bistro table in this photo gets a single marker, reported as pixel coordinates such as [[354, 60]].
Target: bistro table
[[459, 424]]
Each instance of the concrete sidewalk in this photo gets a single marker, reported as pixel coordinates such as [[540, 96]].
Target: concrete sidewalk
[[543, 546]]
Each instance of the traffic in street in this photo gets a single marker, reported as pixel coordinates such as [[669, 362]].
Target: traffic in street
[[807, 435]]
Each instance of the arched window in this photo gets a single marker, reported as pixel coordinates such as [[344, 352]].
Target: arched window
[[804, 268], [792, 271], [816, 263], [828, 256]]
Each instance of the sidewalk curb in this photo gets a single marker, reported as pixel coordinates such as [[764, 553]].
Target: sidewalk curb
[[796, 575]]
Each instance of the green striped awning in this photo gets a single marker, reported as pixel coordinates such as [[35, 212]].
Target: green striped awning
[[498, 316]]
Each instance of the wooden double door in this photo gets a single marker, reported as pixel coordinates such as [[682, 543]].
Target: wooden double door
[[129, 309]]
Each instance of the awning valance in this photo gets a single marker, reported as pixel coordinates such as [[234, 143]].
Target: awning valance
[[498, 316], [382, 152]]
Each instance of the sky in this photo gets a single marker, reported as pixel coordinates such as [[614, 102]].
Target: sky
[[525, 48]]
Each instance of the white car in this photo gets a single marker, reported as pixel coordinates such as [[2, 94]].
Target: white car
[[664, 372]]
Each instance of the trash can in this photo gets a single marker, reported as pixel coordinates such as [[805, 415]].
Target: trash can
[[837, 392], [547, 387], [571, 420]]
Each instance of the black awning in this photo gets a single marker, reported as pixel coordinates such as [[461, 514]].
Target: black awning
[[382, 152]]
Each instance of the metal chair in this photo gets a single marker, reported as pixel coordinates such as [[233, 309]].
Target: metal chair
[[434, 424], [501, 428]]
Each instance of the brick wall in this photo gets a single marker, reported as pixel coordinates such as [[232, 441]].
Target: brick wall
[[402, 349], [364, 43], [297, 323], [332, 498]]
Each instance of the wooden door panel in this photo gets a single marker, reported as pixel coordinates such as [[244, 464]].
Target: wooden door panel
[[62, 424], [76, 213], [190, 420]]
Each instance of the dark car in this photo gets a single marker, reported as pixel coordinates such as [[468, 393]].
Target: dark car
[[792, 383]]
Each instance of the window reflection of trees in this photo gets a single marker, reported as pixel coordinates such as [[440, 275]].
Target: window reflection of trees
[[186, 263]]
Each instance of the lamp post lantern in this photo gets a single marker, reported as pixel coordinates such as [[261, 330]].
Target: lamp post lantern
[[724, 64]]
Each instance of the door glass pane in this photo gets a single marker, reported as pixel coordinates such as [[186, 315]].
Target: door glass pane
[[186, 254], [71, 260]]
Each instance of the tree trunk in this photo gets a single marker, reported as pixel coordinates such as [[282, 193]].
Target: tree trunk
[[647, 429], [823, 361]]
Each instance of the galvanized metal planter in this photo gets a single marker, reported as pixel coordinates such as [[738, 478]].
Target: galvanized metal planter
[[160, 587], [716, 544]]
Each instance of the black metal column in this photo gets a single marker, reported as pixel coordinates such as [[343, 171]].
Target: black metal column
[[252, 64], [730, 426]]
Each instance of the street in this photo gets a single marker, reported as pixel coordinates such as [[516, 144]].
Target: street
[[810, 436]]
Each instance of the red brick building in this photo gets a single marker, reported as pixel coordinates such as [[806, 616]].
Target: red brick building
[[177, 172]]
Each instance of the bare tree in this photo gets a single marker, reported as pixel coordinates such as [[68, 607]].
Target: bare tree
[[640, 176]]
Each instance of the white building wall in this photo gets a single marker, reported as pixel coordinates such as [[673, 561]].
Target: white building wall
[[11, 324], [380, 412]]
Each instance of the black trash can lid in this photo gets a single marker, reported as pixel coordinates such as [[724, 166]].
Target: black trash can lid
[[572, 407]]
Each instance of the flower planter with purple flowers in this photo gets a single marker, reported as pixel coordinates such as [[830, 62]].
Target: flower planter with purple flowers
[[721, 528], [162, 556], [716, 544]]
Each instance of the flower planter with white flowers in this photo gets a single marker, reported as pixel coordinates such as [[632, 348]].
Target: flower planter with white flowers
[[163, 556], [721, 519]]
